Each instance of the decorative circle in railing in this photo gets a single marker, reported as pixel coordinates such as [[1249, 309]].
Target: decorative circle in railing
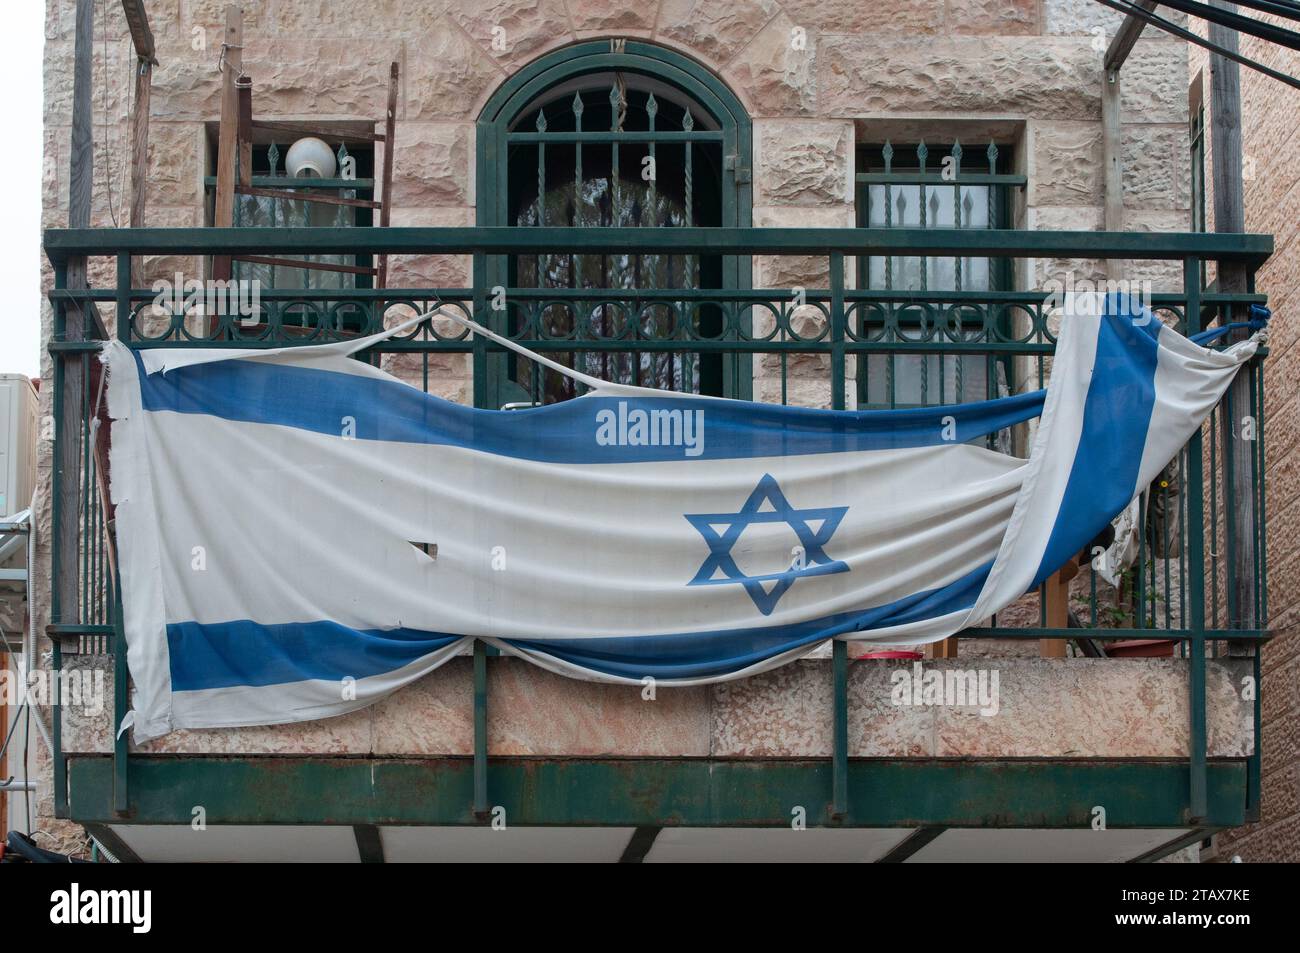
[[809, 322]]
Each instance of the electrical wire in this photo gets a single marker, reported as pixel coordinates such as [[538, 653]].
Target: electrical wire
[[1124, 6], [1235, 21], [1281, 8]]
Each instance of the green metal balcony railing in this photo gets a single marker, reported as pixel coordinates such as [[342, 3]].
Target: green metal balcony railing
[[1182, 583]]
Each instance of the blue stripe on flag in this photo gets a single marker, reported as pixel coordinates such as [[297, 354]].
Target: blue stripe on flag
[[1116, 416], [247, 653], [318, 401], [227, 654]]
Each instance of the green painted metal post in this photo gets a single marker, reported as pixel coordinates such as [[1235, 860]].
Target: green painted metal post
[[1254, 764], [480, 370], [1196, 559], [840, 734], [56, 553], [482, 398], [123, 298], [1196, 810], [67, 244], [121, 699], [56, 732], [480, 728], [121, 674], [838, 352], [839, 650]]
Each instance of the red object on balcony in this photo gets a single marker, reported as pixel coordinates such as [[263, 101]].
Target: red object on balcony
[[1142, 648]]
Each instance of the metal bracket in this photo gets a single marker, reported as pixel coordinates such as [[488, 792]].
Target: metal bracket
[[743, 174]]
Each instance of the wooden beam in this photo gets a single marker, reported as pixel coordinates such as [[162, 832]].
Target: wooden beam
[[1128, 34], [945, 648], [140, 141], [1225, 132], [1057, 599], [244, 130], [72, 386], [293, 195], [232, 60], [309, 265], [137, 20], [1112, 146], [305, 129], [386, 188], [1230, 216], [81, 170]]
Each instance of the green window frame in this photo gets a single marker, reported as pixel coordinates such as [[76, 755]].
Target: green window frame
[[558, 130], [915, 186]]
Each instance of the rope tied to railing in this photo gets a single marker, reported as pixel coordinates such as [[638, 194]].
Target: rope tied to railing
[[1258, 322], [595, 383]]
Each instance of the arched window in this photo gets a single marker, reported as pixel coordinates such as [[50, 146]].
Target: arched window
[[593, 137]]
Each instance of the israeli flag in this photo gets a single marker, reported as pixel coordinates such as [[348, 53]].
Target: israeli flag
[[302, 534]]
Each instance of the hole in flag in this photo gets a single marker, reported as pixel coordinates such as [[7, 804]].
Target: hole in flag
[[429, 549]]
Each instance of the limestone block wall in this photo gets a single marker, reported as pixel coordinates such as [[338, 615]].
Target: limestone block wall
[[1031, 708], [818, 78]]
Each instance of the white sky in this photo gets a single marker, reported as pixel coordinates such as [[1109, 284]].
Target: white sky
[[20, 236]]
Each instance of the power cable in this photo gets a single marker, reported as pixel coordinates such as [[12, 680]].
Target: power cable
[[1123, 6]]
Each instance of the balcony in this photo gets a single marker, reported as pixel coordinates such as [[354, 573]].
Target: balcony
[[1168, 747]]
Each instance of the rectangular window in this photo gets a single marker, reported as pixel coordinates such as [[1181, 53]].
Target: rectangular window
[[333, 272], [912, 186]]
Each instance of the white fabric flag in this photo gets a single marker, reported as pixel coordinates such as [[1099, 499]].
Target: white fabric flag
[[301, 534]]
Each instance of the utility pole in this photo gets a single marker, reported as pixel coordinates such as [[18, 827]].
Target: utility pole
[[232, 67]]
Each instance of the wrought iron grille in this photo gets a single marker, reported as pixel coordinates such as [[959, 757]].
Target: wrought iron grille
[[1179, 584]]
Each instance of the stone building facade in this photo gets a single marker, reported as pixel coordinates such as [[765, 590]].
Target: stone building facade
[[822, 80]]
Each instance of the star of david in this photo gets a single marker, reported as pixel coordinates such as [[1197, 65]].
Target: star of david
[[767, 504]]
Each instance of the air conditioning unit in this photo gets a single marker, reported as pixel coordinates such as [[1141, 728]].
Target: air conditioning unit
[[17, 443]]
